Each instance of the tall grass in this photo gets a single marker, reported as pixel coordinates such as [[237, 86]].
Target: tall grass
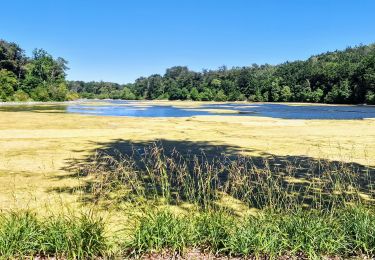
[[23, 234], [305, 208], [308, 208], [269, 183]]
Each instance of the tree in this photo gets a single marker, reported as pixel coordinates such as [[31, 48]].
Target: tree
[[12, 58], [216, 83], [58, 92], [370, 97], [275, 91], [285, 94], [206, 95], [316, 95], [220, 96], [339, 93], [185, 94], [194, 94], [8, 83], [127, 94], [40, 93]]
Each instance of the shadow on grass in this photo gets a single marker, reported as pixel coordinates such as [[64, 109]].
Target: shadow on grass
[[190, 166]]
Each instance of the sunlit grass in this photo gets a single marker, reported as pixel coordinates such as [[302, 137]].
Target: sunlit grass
[[23, 234]]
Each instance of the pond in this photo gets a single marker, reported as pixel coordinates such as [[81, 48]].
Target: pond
[[152, 109]]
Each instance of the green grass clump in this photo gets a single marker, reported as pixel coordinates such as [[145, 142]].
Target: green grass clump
[[76, 237], [257, 236], [359, 225], [314, 233], [213, 229], [162, 230], [347, 231], [22, 234]]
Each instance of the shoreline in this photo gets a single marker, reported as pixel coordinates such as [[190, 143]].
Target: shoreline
[[78, 101]]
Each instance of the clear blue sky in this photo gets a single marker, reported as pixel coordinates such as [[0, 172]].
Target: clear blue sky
[[121, 40]]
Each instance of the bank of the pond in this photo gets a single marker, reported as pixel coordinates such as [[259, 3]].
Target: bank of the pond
[[39, 149]]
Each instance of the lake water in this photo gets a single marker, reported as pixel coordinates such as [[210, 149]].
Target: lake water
[[145, 109]]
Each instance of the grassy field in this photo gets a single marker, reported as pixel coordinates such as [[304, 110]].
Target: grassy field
[[42, 151]]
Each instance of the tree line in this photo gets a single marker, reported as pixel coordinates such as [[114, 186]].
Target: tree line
[[346, 76], [39, 77]]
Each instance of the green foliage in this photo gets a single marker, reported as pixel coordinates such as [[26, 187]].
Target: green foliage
[[213, 229], [21, 96], [40, 93], [339, 93], [346, 76], [220, 96], [127, 94], [206, 95], [8, 83], [72, 96], [75, 237], [161, 229], [20, 234], [58, 92], [346, 231], [359, 224], [285, 94], [370, 97], [194, 94], [23, 235], [40, 77]]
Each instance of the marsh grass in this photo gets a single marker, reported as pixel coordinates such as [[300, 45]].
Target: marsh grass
[[23, 234], [268, 183]]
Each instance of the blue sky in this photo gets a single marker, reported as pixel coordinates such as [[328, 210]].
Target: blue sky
[[120, 40]]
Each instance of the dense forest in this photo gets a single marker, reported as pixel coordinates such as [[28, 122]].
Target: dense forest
[[334, 77], [40, 77], [346, 76]]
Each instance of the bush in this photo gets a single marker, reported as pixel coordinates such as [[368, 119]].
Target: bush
[[40, 93], [21, 95]]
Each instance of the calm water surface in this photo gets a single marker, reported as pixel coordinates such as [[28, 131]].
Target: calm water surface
[[137, 109]]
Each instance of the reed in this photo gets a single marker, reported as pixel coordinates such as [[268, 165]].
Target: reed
[[264, 184]]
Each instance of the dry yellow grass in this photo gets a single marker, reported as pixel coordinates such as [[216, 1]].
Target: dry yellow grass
[[35, 147]]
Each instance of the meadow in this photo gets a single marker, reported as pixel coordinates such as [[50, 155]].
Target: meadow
[[78, 186]]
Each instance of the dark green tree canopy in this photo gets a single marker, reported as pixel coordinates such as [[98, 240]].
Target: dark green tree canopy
[[40, 77]]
